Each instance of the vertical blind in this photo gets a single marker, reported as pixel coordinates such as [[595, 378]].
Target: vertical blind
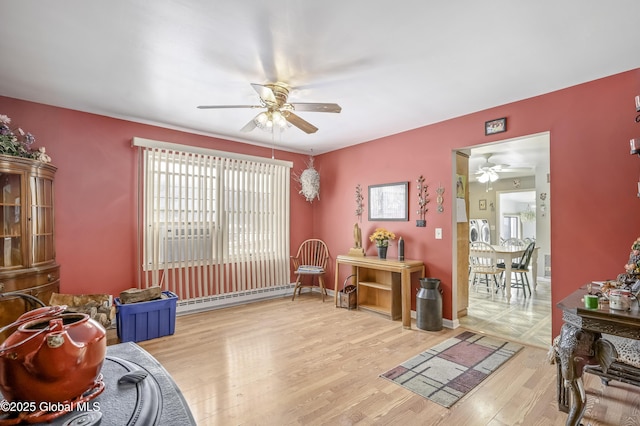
[[212, 223]]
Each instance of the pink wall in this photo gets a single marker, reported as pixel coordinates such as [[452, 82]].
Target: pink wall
[[593, 186], [594, 207], [95, 189]]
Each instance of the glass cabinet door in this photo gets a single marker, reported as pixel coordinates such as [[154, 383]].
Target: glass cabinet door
[[42, 244], [11, 243]]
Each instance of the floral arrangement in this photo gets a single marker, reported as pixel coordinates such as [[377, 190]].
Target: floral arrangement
[[633, 265], [630, 280], [17, 143], [381, 237]]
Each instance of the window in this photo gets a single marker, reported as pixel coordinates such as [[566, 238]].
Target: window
[[511, 227], [211, 211], [195, 201], [182, 213]]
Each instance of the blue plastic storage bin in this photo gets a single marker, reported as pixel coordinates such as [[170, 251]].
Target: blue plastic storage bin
[[146, 320]]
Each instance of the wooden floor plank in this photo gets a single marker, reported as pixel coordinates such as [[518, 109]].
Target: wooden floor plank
[[306, 362]]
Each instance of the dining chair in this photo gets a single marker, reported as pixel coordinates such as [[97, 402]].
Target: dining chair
[[521, 270], [311, 261], [515, 243], [484, 263]]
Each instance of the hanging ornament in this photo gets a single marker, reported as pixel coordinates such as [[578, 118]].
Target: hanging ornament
[[310, 182]]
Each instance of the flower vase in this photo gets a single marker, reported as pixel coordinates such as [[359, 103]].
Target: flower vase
[[382, 252]]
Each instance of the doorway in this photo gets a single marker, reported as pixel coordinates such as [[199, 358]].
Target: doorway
[[514, 204], [516, 216]]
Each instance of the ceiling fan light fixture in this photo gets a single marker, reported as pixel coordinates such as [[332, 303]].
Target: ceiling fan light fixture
[[262, 119], [278, 119], [267, 120], [279, 114], [488, 176]]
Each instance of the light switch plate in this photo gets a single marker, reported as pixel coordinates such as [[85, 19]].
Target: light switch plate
[[438, 233]]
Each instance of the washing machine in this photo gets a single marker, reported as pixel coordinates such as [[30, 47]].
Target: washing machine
[[474, 230], [484, 230]]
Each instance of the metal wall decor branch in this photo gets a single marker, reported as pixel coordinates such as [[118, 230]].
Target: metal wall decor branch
[[359, 202], [422, 202]]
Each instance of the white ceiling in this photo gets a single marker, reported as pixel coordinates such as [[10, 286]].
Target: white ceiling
[[392, 66], [518, 157]]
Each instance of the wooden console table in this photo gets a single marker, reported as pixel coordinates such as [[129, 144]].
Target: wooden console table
[[379, 280], [578, 341]]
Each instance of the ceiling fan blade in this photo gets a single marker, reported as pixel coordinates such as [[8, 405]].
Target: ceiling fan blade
[[265, 93], [250, 125], [517, 169], [301, 124], [228, 106], [316, 107]]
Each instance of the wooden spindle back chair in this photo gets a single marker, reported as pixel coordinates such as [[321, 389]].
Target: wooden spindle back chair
[[311, 261]]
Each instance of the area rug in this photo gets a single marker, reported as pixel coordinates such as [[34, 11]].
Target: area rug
[[448, 371]]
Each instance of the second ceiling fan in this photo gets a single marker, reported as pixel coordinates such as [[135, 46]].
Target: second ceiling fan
[[279, 112], [488, 172]]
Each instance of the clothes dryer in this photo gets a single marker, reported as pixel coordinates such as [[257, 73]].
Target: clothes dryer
[[485, 230], [474, 230]]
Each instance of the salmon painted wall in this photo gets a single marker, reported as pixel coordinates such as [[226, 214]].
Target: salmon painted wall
[[593, 211], [95, 189], [593, 203]]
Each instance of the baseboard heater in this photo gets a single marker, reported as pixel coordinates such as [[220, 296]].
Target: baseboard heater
[[188, 306]]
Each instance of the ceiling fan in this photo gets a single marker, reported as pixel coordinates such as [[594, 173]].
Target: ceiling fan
[[488, 172], [279, 112]]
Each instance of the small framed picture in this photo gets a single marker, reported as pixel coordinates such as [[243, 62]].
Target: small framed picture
[[483, 204], [495, 126]]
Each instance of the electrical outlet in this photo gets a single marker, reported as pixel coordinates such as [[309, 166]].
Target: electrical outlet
[[438, 233]]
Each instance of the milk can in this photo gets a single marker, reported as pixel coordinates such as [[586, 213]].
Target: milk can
[[429, 305]]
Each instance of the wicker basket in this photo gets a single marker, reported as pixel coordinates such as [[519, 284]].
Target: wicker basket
[[347, 297]]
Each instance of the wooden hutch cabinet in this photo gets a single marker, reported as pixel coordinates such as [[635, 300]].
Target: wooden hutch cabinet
[[27, 244]]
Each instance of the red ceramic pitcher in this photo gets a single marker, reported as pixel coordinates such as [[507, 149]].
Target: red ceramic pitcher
[[53, 356]]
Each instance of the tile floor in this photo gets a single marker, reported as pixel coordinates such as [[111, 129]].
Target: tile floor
[[526, 320]]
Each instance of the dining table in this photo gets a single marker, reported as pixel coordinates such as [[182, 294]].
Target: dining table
[[508, 254]]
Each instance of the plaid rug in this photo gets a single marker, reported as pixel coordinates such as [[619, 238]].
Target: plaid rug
[[448, 371]]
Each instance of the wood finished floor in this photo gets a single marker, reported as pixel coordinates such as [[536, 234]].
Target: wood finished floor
[[279, 362], [526, 320]]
